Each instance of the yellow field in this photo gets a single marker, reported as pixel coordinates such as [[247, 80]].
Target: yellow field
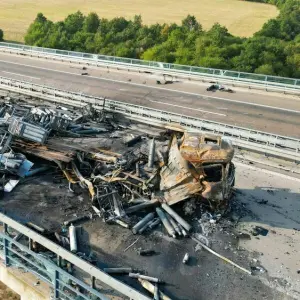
[[240, 17]]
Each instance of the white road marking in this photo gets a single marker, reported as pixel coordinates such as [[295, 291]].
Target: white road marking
[[20, 74], [191, 108], [259, 169], [160, 88]]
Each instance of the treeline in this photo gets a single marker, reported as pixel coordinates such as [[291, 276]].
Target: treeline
[[274, 50]]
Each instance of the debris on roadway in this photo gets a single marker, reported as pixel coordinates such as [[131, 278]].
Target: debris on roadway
[[137, 176], [219, 87]]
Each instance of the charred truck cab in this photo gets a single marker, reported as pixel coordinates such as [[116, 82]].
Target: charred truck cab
[[203, 167], [211, 158]]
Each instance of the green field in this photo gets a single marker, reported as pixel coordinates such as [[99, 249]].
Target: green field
[[240, 17]]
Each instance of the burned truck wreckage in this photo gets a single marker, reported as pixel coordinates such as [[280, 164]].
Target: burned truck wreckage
[[119, 165], [135, 175]]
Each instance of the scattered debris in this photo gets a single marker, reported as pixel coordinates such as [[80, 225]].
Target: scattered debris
[[136, 176], [185, 258], [148, 278], [10, 185], [220, 256], [263, 201], [131, 245], [257, 269], [258, 230], [142, 222], [77, 219], [218, 87], [36, 227], [146, 252], [73, 238], [151, 288], [166, 223], [173, 214], [244, 236]]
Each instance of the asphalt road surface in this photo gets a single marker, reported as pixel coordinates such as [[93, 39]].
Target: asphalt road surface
[[257, 110]]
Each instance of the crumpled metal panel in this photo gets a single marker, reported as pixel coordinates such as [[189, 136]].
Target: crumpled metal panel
[[206, 149], [19, 128], [177, 181]]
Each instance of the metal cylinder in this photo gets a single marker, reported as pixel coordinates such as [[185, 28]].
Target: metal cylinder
[[174, 224], [87, 131], [150, 287], [143, 222], [138, 275], [77, 219], [181, 221], [73, 238], [183, 231], [156, 293], [137, 169], [160, 157], [36, 227], [185, 258], [154, 223], [118, 270], [151, 154], [140, 206], [18, 236], [145, 227], [122, 223], [166, 222]]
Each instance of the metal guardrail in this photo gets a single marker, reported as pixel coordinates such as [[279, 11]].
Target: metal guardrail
[[48, 266], [254, 140], [227, 76]]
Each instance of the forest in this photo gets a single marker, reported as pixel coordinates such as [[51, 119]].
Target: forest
[[274, 50]]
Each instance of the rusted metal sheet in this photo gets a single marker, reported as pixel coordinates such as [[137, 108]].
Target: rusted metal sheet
[[201, 168], [197, 148], [177, 181]]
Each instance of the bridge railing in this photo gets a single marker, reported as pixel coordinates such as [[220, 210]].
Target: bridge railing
[[282, 83], [246, 138], [51, 264]]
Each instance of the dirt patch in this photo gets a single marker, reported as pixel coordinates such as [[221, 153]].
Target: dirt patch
[[7, 294]]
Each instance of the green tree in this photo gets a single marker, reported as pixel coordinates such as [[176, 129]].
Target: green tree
[[38, 31], [265, 69], [190, 23], [275, 49], [74, 22], [159, 53], [91, 23], [1, 35]]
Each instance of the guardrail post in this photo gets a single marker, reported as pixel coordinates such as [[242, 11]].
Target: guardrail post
[[5, 245], [30, 244], [56, 285], [59, 260], [93, 282]]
